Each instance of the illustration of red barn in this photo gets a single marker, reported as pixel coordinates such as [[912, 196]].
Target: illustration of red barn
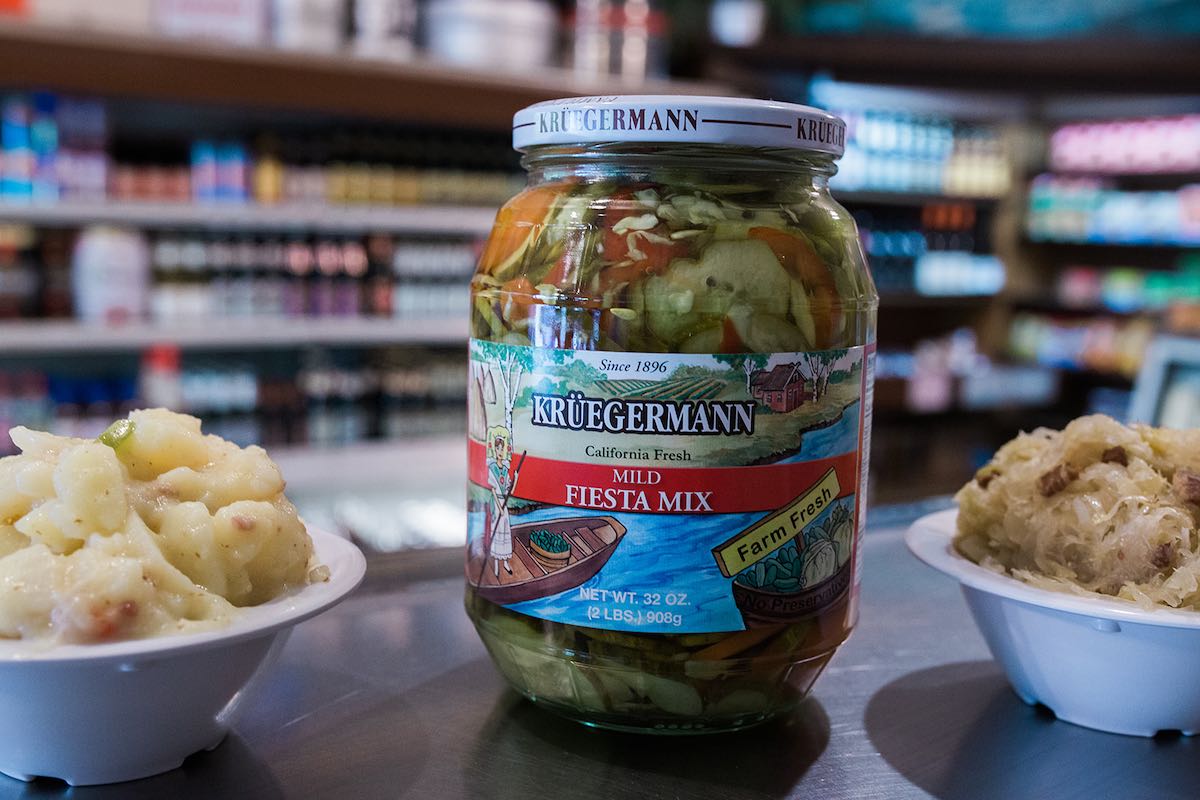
[[780, 389]]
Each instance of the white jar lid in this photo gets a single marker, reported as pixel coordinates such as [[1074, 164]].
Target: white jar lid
[[681, 118]]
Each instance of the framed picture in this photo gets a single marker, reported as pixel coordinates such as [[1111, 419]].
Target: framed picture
[[1167, 390]]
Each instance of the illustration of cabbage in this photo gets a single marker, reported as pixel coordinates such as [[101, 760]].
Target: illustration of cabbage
[[843, 538], [820, 562], [827, 549]]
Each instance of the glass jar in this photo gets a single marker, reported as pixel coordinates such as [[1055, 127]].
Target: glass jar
[[673, 331]]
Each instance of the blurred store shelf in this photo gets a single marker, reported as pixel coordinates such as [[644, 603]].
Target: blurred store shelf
[[1092, 374], [49, 337], [419, 91], [1133, 179], [926, 302], [464, 220], [1161, 245], [1031, 66], [1052, 305], [1057, 256], [989, 388], [872, 198]]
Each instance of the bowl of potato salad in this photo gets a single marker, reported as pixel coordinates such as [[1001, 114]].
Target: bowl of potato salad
[[145, 578]]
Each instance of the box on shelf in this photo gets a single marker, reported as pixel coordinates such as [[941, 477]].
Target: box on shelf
[[243, 22], [385, 28], [313, 26], [466, 32], [1128, 146], [127, 16]]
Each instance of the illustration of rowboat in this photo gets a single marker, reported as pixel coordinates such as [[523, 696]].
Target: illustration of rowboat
[[592, 542]]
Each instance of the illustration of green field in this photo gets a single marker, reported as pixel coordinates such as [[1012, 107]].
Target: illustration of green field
[[674, 389]]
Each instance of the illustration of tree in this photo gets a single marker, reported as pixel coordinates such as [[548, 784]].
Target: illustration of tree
[[576, 372], [482, 379], [817, 367], [510, 367], [749, 363], [483, 393], [556, 356], [544, 386]]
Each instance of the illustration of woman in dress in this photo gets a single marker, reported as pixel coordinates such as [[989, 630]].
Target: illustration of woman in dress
[[500, 479]]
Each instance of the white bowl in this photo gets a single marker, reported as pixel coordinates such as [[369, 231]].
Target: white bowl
[[103, 713], [1103, 664]]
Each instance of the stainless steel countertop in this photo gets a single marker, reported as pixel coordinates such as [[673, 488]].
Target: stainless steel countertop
[[391, 695]]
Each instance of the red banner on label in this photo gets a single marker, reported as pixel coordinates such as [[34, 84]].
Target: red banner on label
[[667, 490]]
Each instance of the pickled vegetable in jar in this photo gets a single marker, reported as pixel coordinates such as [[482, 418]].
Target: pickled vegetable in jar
[[673, 333]]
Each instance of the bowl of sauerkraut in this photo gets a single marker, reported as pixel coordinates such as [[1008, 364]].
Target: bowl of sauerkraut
[[145, 578], [1078, 552]]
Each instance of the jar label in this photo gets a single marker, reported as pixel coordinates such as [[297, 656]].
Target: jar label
[[666, 493]]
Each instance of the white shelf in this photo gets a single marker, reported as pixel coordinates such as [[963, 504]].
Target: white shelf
[[462, 220], [68, 337], [389, 495], [410, 467]]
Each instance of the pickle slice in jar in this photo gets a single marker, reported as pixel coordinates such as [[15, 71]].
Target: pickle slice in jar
[[801, 261], [518, 224], [695, 294], [762, 333]]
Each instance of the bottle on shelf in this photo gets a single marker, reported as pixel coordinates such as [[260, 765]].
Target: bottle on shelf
[[299, 269], [19, 279], [232, 168], [54, 258], [268, 263], [204, 178], [159, 381], [900, 152], [16, 178], [194, 293], [166, 272], [937, 250], [323, 289], [219, 277], [380, 254], [1092, 210], [317, 382], [181, 274], [268, 172], [311, 26], [110, 275], [1151, 145], [348, 289], [58, 148], [385, 29]]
